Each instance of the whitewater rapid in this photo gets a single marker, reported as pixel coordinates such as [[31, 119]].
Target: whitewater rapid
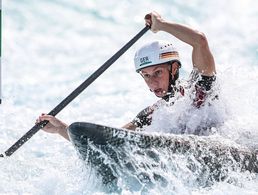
[[50, 47]]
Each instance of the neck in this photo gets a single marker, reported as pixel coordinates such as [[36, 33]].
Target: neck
[[171, 88]]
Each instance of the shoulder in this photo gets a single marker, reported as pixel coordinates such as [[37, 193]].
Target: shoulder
[[201, 81]]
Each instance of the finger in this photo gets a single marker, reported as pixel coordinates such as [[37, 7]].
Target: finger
[[147, 16], [39, 119], [148, 24], [148, 19], [46, 117]]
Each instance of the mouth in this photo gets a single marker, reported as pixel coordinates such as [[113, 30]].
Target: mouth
[[159, 92]]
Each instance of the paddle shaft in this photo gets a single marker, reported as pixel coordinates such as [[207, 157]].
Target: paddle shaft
[[74, 94]]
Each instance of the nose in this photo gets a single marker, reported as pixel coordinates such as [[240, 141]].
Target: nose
[[153, 83]]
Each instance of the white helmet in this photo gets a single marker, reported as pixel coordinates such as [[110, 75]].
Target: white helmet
[[155, 53]]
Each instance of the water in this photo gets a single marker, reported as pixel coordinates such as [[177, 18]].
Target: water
[[50, 47]]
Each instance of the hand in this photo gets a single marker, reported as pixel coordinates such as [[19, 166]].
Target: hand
[[153, 20], [54, 125]]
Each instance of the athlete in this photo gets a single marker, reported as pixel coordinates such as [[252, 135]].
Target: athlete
[[158, 63]]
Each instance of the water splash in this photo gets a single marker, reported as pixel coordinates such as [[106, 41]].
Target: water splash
[[49, 47]]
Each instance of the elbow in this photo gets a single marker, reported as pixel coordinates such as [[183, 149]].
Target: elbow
[[201, 40]]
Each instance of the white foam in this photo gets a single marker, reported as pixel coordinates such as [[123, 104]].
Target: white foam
[[49, 48]]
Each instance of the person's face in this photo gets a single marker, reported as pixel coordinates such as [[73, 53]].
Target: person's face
[[157, 79]]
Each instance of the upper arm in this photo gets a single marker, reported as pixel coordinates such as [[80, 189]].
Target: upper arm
[[202, 57]]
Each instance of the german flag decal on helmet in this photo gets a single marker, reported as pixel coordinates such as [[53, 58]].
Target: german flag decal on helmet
[[171, 54]]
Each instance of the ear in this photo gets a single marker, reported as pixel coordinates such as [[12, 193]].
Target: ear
[[174, 67]]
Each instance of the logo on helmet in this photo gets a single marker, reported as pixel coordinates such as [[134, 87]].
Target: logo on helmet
[[144, 60]]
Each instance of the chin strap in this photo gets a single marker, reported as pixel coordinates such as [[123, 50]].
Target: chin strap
[[171, 86], [172, 82]]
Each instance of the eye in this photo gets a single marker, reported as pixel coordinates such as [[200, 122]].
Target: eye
[[146, 76], [158, 73]]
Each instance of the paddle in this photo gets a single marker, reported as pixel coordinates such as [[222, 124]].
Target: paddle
[[74, 94]]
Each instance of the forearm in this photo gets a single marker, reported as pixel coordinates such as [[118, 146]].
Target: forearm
[[63, 132], [183, 33], [202, 57], [129, 126]]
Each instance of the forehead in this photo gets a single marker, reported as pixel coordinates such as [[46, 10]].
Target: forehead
[[154, 68]]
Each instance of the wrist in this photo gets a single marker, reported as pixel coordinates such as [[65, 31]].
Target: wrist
[[60, 130], [162, 25]]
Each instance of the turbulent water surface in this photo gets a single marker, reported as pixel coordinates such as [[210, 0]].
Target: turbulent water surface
[[50, 47]]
